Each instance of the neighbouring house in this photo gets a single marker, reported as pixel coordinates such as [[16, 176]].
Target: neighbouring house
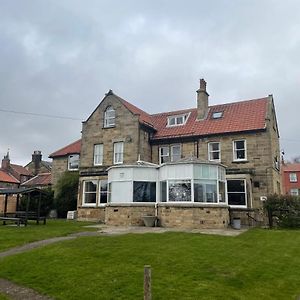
[[65, 159], [17, 171], [189, 149], [291, 178], [41, 180], [37, 165]]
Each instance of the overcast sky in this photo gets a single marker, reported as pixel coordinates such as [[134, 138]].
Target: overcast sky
[[61, 57]]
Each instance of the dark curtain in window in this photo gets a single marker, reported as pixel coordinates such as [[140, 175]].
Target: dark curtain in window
[[144, 191]]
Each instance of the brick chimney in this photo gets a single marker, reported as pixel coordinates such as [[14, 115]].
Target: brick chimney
[[202, 101], [36, 159], [5, 162]]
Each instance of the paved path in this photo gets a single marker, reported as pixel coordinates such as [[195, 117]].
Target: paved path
[[16, 292]]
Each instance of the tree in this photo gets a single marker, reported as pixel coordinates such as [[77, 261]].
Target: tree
[[66, 195]]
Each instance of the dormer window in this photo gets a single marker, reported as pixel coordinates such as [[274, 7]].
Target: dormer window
[[177, 120], [109, 117], [217, 115]]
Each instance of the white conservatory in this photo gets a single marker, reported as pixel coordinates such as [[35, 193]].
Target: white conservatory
[[187, 193]]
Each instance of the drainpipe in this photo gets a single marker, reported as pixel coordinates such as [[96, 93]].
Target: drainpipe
[[156, 213]]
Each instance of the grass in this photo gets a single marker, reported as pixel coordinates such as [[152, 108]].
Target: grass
[[11, 236], [259, 264], [3, 297]]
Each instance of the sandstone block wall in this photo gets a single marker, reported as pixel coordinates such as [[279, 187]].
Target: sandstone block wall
[[11, 203], [91, 214]]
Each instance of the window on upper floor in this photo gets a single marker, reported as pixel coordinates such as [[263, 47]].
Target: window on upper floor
[[73, 162], [169, 153], [118, 152], [239, 150], [177, 120], [98, 155], [109, 117], [294, 192], [293, 177], [214, 151]]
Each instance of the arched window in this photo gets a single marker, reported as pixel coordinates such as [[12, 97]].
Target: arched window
[[109, 117]]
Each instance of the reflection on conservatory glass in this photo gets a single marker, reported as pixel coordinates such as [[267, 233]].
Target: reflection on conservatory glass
[[205, 191], [180, 190]]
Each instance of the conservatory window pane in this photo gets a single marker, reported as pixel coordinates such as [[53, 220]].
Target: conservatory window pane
[[163, 191], [180, 190], [198, 192], [211, 193], [144, 191]]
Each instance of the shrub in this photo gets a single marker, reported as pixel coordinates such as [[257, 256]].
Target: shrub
[[285, 209], [66, 196]]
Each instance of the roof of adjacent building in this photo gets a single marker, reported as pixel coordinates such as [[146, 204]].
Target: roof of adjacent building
[[5, 177], [73, 148], [291, 167], [20, 170], [42, 179]]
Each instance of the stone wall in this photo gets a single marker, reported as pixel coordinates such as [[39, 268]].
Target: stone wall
[[127, 215], [91, 214], [59, 166], [189, 216], [193, 216]]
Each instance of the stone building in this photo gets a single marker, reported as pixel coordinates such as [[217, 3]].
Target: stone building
[[65, 159], [243, 136], [37, 165]]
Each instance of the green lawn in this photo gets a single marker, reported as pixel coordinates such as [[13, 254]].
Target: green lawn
[[259, 264], [11, 236], [3, 297]]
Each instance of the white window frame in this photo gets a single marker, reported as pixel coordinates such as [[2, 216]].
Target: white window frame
[[217, 115], [166, 155], [118, 156], [98, 154], [211, 151], [109, 117], [69, 157], [172, 152], [84, 193], [293, 177], [245, 192], [235, 158], [294, 192], [176, 119]]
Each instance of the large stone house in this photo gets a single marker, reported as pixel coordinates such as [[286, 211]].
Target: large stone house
[[242, 136]]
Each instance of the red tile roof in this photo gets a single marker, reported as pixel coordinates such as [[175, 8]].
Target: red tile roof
[[143, 116], [5, 177], [237, 117], [73, 148], [42, 179], [295, 167], [20, 170]]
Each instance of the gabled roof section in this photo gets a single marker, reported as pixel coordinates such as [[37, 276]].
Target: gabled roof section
[[240, 116], [144, 117], [20, 170], [5, 177], [295, 167], [42, 179], [73, 148]]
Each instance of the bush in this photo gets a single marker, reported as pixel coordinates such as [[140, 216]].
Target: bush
[[47, 201], [285, 209], [66, 195]]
